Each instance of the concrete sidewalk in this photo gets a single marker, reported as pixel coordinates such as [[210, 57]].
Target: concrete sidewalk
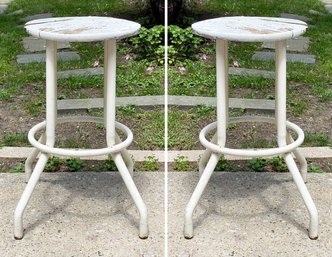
[[250, 214], [92, 214], [81, 215]]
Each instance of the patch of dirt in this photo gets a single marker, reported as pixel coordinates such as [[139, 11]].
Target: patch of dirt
[[14, 117]]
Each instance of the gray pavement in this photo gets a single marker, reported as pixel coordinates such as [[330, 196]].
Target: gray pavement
[[92, 214], [250, 214], [81, 214]]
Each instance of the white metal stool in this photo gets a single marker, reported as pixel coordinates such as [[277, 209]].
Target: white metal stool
[[251, 29], [80, 29]]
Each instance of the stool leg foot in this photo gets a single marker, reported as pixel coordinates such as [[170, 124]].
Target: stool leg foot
[[313, 226], [31, 158], [188, 222], [143, 226], [300, 158], [206, 156], [18, 216], [126, 156]]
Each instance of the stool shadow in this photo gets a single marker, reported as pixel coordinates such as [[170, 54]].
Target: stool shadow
[[242, 185], [102, 186]]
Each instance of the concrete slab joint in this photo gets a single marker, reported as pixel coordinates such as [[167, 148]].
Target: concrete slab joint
[[62, 56]]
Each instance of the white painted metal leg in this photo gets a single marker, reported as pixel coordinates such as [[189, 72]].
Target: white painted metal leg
[[313, 226], [51, 116], [110, 90], [202, 183], [222, 123], [282, 136], [222, 90], [109, 116], [300, 158], [206, 156], [143, 226], [281, 95], [126, 156], [32, 157], [18, 216]]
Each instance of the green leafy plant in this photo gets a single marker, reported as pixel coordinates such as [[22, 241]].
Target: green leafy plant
[[109, 164], [15, 139], [224, 165], [278, 164], [181, 163], [19, 168], [314, 169], [182, 44], [74, 164], [127, 109], [204, 110], [149, 42], [258, 164], [150, 163], [54, 164]]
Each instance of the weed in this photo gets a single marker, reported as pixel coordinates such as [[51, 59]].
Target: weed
[[231, 125], [19, 168], [181, 163], [54, 164], [74, 164], [312, 168], [109, 164], [317, 139], [150, 163], [100, 126], [278, 164], [127, 109], [35, 106], [258, 164], [14, 139], [224, 165], [298, 106], [204, 110]]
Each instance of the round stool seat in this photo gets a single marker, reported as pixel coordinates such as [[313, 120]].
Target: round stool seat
[[82, 29], [250, 29]]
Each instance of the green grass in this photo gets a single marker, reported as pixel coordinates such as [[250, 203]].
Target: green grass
[[317, 139], [132, 77], [28, 81], [216, 8], [199, 78], [14, 139]]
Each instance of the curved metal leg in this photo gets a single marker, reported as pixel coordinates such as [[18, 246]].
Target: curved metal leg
[[300, 158], [188, 222], [18, 216], [143, 226], [313, 226], [31, 158], [126, 156], [206, 156]]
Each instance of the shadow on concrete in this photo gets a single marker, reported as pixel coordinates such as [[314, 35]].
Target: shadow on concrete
[[106, 190], [226, 191]]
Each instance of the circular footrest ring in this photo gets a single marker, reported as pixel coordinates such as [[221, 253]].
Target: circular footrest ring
[[252, 153], [80, 153]]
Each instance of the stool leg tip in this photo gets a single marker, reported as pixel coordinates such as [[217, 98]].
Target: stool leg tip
[[313, 237]]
